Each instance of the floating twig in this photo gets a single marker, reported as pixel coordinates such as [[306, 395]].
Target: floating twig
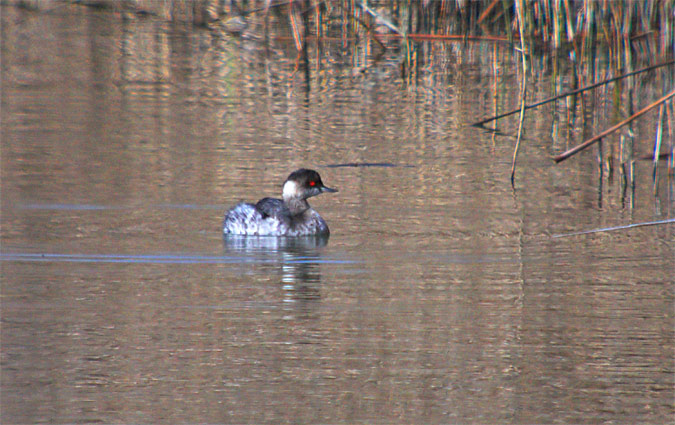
[[610, 229], [563, 156], [572, 93]]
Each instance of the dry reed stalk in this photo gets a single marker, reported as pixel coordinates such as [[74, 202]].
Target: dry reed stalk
[[671, 138], [573, 92], [380, 18], [563, 156], [372, 35], [523, 90], [657, 148], [297, 26], [610, 229], [487, 11]]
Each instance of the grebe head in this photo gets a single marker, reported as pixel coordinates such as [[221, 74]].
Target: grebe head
[[303, 184]]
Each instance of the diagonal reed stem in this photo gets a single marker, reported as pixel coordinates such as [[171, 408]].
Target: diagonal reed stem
[[563, 156], [573, 92], [386, 22], [610, 229]]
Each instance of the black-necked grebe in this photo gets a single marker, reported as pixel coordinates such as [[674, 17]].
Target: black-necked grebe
[[290, 216]]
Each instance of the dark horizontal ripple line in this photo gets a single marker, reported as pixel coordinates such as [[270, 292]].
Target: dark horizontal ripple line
[[150, 259]]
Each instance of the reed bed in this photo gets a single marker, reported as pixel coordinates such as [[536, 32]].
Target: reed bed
[[620, 33], [596, 39], [588, 36], [576, 29]]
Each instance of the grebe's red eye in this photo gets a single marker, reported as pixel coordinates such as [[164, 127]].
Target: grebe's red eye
[[312, 183]]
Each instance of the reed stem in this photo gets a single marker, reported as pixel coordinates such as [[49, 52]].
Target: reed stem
[[563, 156], [572, 93]]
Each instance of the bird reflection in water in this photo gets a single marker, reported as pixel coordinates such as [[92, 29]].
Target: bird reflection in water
[[297, 258]]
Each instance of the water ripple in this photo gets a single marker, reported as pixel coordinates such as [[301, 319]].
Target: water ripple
[[93, 207], [156, 259]]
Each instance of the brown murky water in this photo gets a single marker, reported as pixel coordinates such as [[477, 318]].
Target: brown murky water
[[441, 295]]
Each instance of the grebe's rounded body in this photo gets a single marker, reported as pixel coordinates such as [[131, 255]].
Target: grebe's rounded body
[[289, 216]]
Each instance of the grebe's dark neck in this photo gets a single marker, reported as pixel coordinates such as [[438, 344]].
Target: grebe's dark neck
[[296, 205]]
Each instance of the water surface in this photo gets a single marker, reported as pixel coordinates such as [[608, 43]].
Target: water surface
[[440, 296]]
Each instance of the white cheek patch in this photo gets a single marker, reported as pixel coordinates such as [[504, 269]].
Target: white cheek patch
[[291, 189]]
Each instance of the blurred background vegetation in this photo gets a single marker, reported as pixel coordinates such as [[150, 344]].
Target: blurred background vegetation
[[619, 30]]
